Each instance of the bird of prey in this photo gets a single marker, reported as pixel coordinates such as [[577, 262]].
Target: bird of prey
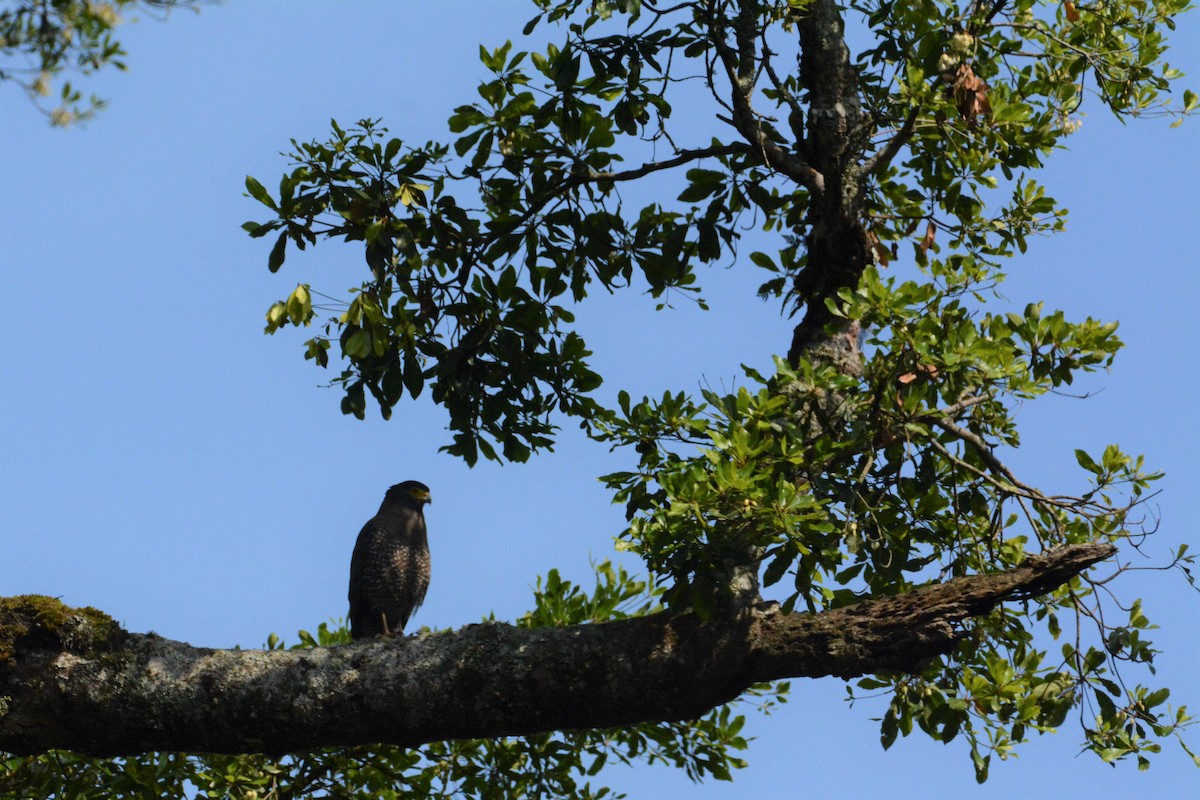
[[389, 571]]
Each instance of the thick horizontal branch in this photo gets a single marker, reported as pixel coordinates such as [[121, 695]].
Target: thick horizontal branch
[[72, 679]]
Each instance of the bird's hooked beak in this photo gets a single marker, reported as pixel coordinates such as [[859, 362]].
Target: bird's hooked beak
[[422, 496]]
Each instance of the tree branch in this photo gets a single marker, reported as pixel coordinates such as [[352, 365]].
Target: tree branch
[[684, 156], [740, 69], [574, 180], [882, 157], [72, 679]]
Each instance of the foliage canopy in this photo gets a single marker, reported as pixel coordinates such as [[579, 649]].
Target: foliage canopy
[[894, 162], [885, 157]]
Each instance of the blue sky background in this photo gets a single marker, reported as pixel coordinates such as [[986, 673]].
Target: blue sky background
[[163, 460]]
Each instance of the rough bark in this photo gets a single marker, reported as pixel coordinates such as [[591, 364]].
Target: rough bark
[[74, 680], [838, 133]]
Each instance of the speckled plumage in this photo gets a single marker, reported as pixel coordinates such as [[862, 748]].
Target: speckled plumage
[[389, 571]]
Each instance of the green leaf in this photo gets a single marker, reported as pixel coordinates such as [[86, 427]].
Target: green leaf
[[777, 568], [393, 147], [358, 345], [414, 377], [259, 193], [763, 260], [1156, 698], [275, 261], [1087, 463], [256, 229]]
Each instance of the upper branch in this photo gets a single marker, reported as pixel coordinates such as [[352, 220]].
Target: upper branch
[[563, 189], [881, 158], [83, 684], [741, 69], [684, 157]]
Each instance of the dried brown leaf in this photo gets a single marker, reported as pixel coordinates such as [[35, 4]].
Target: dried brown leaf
[[881, 252], [930, 235], [970, 94]]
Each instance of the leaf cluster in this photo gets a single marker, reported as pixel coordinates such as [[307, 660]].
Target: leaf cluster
[[896, 483], [492, 349], [41, 40]]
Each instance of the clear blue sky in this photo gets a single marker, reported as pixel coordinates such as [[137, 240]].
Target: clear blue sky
[[164, 461]]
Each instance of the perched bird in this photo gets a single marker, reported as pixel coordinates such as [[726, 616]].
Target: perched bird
[[389, 571]]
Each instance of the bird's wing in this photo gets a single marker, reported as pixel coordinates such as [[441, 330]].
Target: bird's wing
[[358, 563]]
